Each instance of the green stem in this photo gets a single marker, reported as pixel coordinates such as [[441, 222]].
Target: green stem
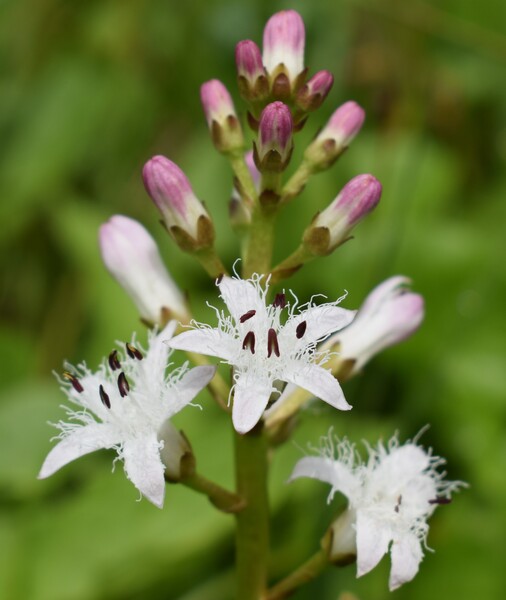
[[296, 183], [252, 538], [291, 264], [243, 175], [211, 262], [305, 573], [258, 253], [223, 499]]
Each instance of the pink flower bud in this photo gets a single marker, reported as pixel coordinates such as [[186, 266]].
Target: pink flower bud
[[390, 314], [274, 137], [131, 256], [336, 136], [252, 79], [221, 116], [313, 93], [283, 44], [172, 193], [332, 227], [344, 124]]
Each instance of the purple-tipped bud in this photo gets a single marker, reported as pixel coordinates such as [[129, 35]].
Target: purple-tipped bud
[[131, 256], [283, 46], [313, 93], [390, 314], [275, 144], [336, 136], [251, 75], [221, 117], [332, 227], [183, 214]]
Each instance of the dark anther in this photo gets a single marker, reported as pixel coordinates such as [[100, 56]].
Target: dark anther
[[398, 505], [104, 397], [279, 301], [247, 315], [272, 343], [123, 385], [219, 279], [76, 384], [440, 500], [133, 352], [249, 342], [114, 360], [301, 329]]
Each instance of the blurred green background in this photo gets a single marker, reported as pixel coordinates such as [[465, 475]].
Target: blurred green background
[[89, 90]]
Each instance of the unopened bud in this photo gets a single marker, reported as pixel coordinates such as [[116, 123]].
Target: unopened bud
[[313, 93], [131, 256], [283, 52], [252, 78], [336, 136], [341, 539], [332, 227], [274, 138], [390, 314], [226, 131], [183, 214], [176, 453]]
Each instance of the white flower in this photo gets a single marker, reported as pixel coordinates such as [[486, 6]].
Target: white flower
[[263, 351], [125, 405], [390, 498]]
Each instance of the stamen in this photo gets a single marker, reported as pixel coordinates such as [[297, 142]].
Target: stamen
[[104, 397], [219, 279], [398, 505], [272, 343], [279, 301], [301, 329], [123, 385], [133, 352], [114, 360], [440, 500], [247, 315], [76, 384], [249, 342]]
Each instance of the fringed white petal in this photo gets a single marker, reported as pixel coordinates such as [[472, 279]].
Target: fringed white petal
[[211, 342], [406, 554], [373, 538], [78, 443], [192, 382], [251, 395], [321, 383], [144, 467]]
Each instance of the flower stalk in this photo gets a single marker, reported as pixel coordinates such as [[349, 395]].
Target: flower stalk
[[252, 534], [222, 499], [308, 571]]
